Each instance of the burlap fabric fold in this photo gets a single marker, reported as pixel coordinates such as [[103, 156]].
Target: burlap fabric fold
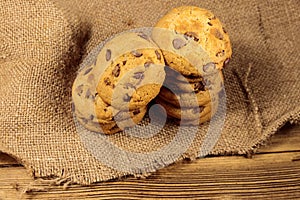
[[43, 42]]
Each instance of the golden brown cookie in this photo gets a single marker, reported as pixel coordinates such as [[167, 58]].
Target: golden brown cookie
[[188, 25], [133, 71]]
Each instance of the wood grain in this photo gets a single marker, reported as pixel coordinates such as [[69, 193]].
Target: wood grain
[[287, 139], [273, 173]]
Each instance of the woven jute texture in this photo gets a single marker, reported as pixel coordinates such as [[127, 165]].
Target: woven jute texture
[[42, 44]]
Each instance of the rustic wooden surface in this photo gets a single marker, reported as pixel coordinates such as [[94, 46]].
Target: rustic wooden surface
[[272, 173]]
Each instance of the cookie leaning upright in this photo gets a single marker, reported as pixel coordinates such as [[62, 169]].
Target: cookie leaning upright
[[195, 47], [134, 72], [112, 94]]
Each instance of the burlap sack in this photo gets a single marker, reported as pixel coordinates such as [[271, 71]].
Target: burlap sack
[[42, 44]]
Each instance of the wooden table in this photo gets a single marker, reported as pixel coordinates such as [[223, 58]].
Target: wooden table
[[272, 173]]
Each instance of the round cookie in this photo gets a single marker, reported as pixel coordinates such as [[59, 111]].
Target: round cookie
[[188, 24], [132, 71]]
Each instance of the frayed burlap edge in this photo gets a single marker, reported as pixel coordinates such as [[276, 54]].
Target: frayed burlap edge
[[45, 184]]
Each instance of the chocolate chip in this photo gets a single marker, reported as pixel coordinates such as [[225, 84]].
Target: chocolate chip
[[87, 71], [224, 30], [108, 54], [88, 94], [220, 53], [116, 71], [143, 35], [79, 90], [92, 117], [157, 54], [209, 67], [91, 78], [201, 108], [107, 81], [126, 98], [209, 23], [218, 34], [226, 62], [178, 43], [85, 121], [124, 62], [139, 75], [135, 112], [199, 87], [193, 35], [136, 53], [129, 85], [148, 63]]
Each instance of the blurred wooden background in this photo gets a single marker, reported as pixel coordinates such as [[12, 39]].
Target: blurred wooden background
[[272, 173]]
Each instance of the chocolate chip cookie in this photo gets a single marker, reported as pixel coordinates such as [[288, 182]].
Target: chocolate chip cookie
[[184, 25], [133, 71], [195, 47], [129, 70]]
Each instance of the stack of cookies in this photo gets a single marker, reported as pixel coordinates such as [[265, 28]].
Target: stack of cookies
[[113, 93], [195, 47]]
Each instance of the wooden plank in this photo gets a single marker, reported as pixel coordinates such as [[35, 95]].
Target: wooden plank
[[265, 176], [274, 171], [6, 160], [286, 140]]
